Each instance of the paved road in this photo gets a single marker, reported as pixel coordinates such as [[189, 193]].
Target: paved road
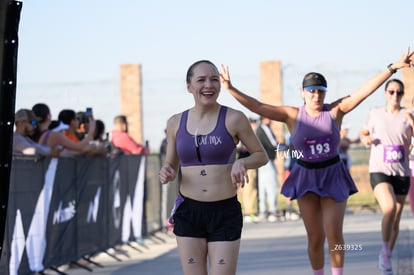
[[268, 249]]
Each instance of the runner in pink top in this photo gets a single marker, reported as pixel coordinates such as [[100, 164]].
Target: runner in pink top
[[388, 130]]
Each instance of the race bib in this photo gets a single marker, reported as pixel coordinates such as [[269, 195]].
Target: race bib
[[318, 147], [393, 153]]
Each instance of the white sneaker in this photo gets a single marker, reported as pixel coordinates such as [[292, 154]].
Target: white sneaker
[[385, 264], [248, 219], [272, 218], [294, 216], [259, 218]]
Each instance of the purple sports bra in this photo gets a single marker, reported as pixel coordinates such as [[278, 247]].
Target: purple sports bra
[[217, 147]]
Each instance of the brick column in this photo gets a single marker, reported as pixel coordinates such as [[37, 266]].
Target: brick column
[[271, 93], [131, 99]]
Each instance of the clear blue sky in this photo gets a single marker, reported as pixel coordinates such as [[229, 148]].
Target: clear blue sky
[[70, 51]]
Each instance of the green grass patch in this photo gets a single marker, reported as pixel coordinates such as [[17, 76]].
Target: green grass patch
[[356, 201], [362, 200]]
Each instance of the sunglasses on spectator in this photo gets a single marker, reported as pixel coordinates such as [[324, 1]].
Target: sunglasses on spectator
[[399, 93], [33, 122]]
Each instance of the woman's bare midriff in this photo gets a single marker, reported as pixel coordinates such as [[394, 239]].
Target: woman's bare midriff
[[207, 182]]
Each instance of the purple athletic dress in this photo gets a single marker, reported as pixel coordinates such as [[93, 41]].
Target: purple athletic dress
[[318, 168]]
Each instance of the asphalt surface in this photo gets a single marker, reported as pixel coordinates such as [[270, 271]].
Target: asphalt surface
[[266, 248]]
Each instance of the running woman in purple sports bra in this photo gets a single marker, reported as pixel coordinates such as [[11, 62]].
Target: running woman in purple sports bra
[[388, 131], [202, 141], [319, 181]]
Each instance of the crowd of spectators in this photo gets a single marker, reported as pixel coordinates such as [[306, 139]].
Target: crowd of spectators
[[71, 134]]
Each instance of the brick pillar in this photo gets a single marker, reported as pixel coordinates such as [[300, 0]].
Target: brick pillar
[[271, 93], [131, 99], [408, 79]]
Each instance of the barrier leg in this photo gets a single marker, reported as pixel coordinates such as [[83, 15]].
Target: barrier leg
[[88, 259], [55, 269], [82, 266], [113, 256]]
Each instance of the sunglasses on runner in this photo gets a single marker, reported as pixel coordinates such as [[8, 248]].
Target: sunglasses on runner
[[312, 89], [399, 93]]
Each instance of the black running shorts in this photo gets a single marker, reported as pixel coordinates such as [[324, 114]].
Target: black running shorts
[[215, 221], [400, 184]]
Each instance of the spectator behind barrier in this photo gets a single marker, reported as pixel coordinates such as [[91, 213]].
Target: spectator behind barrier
[[122, 140], [58, 126], [51, 138], [99, 131], [100, 138], [26, 121], [82, 125], [69, 118]]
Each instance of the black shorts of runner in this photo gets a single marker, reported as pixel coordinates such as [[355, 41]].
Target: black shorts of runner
[[400, 184], [215, 221]]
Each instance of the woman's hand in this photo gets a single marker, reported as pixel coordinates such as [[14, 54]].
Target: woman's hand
[[369, 140], [92, 126], [239, 175], [225, 77], [167, 174], [406, 61]]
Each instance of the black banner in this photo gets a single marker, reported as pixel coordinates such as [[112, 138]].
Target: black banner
[[92, 208], [9, 41], [60, 204], [66, 208]]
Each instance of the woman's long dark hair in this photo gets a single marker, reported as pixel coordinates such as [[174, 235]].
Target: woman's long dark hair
[[41, 110]]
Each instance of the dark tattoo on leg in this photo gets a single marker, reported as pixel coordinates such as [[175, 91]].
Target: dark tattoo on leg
[[191, 261], [221, 262]]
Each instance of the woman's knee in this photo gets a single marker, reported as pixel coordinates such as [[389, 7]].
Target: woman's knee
[[316, 241], [389, 208], [396, 226]]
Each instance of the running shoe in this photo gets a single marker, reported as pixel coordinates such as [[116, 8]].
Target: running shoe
[[385, 264]]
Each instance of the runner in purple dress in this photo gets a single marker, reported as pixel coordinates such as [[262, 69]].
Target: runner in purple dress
[[319, 181], [388, 130]]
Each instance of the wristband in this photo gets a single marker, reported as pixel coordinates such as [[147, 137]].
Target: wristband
[[392, 71]]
